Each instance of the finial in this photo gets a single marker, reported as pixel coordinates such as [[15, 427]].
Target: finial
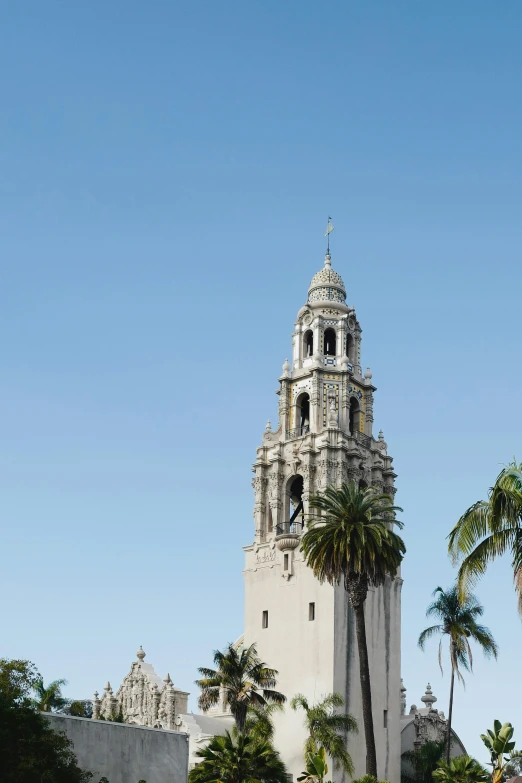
[[328, 261], [167, 679], [329, 229], [140, 655], [403, 698], [268, 427], [108, 687], [96, 695], [286, 368], [381, 435], [429, 699], [368, 374]]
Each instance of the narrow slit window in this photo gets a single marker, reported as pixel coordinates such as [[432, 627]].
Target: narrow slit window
[[385, 719], [285, 559], [311, 611], [264, 622]]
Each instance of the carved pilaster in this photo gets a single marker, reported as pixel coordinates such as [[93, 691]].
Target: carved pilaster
[[368, 401]]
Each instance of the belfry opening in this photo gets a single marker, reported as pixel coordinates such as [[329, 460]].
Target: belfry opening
[[302, 414], [296, 509], [329, 342]]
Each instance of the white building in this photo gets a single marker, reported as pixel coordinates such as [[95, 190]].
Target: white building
[[304, 629], [324, 437]]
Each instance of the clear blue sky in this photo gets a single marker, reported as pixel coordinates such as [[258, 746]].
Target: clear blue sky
[[166, 170]]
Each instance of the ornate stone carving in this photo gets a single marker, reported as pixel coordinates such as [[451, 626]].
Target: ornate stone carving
[[265, 556], [142, 698]]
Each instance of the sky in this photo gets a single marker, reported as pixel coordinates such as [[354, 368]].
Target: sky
[[166, 172]]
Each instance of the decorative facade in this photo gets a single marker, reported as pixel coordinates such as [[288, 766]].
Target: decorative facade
[[143, 698], [324, 437], [425, 724]]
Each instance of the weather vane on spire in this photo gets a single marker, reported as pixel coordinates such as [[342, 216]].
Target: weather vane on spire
[[329, 229]]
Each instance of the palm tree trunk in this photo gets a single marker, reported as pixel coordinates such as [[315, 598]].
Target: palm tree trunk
[[240, 716], [450, 715], [366, 691]]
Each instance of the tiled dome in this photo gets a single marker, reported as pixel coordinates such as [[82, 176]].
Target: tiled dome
[[327, 285]]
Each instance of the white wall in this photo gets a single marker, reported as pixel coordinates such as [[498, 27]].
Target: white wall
[[126, 754], [320, 657], [302, 651]]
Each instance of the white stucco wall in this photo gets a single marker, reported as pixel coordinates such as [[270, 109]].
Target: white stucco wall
[[126, 754], [319, 657], [301, 650]]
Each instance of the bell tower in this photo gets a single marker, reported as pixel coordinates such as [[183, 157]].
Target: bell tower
[[324, 438]]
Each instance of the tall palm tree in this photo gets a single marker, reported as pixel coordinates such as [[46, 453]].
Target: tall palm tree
[[326, 728], [462, 769], [353, 542], [458, 620], [49, 698], [491, 528], [422, 762], [242, 679], [238, 758]]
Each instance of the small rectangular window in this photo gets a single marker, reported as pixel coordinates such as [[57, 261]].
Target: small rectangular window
[[311, 611], [385, 721], [285, 562], [265, 619]]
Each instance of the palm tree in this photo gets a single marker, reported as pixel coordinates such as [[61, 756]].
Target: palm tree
[[242, 679], [49, 697], [458, 620], [462, 769], [238, 758], [422, 762], [491, 528], [326, 728], [353, 541]]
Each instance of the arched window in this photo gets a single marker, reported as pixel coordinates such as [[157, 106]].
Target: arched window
[[329, 342], [308, 344], [295, 514], [302, 414], [355, 415], [350, 348]]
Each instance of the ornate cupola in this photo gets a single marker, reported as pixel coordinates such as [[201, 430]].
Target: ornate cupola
[[325, 432]]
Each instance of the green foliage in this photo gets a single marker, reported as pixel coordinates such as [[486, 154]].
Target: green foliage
[[259, 723], [352, 540], [244, 680], [457, 615], [499, 743], [422, 763], [316, 767], [352, 536], [238, 758], [78, 709], [461, 769], [514, 767], [368, 779], [327, 728], [49, 698], [30, 751], [489, 529], [115, 717]]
